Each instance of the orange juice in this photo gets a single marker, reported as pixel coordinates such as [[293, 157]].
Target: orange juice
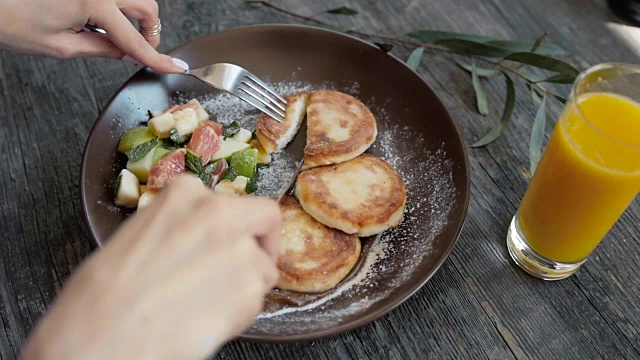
[[588, 175]]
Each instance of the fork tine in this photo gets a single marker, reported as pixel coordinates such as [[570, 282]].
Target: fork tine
[[244, 95], [256, 80], [255, 95], [265, 95]]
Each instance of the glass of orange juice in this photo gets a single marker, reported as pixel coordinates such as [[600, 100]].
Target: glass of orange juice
[[586, 178]]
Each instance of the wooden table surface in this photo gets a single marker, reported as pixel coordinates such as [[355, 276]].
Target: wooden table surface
[[478, 305]]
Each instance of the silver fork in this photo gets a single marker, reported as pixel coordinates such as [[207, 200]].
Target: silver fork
[[245, 85]]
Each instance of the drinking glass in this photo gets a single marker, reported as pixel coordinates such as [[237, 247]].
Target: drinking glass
[[587, 176]]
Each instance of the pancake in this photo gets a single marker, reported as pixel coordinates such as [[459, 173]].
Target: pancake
[[339, 128], [313, 258], [363, 196], [274, 136]]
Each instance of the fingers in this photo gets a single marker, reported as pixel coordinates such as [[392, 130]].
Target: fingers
[[126, 37], [146, 12], [259, 217], [86, 44]]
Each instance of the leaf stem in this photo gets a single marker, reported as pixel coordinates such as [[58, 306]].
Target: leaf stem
[[398, 38]]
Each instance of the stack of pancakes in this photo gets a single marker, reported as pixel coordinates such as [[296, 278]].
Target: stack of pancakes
[[340, 195]]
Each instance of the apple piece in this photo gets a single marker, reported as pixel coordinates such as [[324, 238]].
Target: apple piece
[[186, 121], [127, 189], [159, 152], [244, 161], [200, 111], [235, 187], [228, 147], [146, 198], [161, 125], [142, 167], [134, 137], [243, 135]]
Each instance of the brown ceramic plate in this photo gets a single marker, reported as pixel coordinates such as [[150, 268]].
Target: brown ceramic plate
[[416, 135]]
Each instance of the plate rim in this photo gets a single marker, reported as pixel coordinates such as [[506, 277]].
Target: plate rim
[[367, 318]]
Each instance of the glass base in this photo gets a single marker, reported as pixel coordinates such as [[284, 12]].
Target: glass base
[[534, 263]]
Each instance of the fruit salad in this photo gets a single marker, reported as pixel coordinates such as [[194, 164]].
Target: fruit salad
[[183, 139]]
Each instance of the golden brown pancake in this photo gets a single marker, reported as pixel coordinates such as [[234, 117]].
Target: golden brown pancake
[[274, 136], [339, 128], [313, 258], [363, 196]]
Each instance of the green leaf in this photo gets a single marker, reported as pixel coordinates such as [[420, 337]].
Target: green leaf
[[481, 97], [415, 58], [252, 185], [550, 123], [342, 11], [116, 185], [431, 36], [141, 150], [150, 115], [255, 4], [254, 135], [168, 144], [537, 136], [543, 62], [230, 175], [207, 179], [538, 42], [560, 98], [177, 140], [194, 162], [333, 27], [509, 46], [479, 71], [474, 48], [384, 46], [559, 79], [504, 120], [231, 129], [527, 46], [210, 168]]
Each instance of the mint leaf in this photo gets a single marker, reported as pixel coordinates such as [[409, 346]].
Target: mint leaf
[[207, 179], [210, 168], [141, 150], [230, 175], [231, 129], [194, 162], [252, 185], [175, 137], [116, 185]]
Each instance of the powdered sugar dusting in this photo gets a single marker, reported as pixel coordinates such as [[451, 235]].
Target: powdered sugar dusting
[[388, 261], [395, 257]]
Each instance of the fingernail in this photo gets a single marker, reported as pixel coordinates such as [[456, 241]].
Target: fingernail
[[129, 59], [180, 64]]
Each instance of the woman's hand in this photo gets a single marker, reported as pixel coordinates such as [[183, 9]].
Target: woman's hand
[[54, 28], [178, 279]]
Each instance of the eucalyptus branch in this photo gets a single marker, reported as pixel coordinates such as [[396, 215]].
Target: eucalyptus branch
[[399, 39], [506, 57]]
